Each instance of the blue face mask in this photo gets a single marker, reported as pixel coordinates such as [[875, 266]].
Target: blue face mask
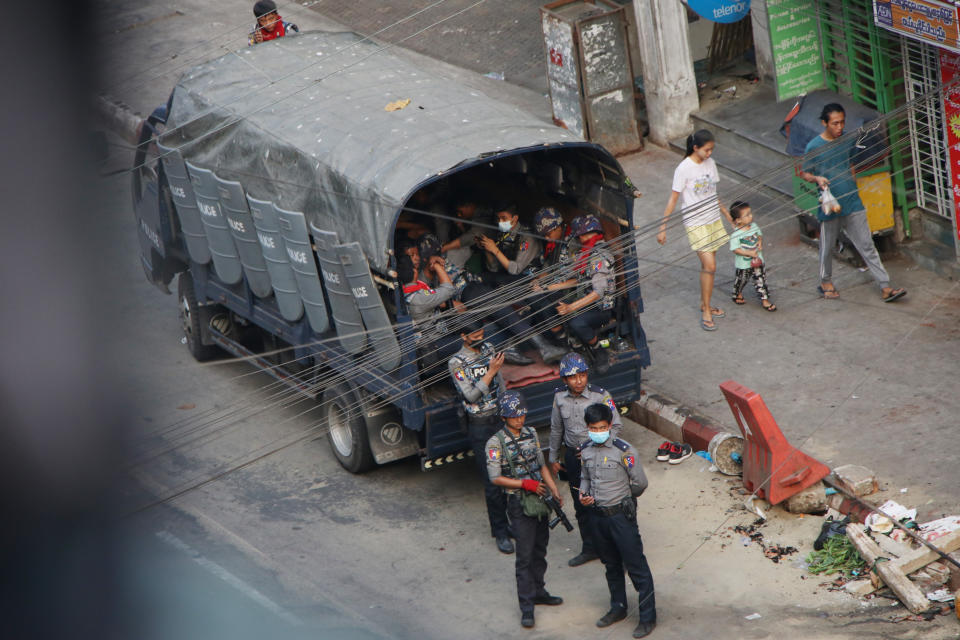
[[599, 436], [505, 226]]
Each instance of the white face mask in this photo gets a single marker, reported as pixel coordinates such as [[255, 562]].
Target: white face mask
[[505, 226]]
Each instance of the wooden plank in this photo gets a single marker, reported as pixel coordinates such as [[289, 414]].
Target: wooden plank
[[909, 594], [923, 556], [917, 559], [891, 546]]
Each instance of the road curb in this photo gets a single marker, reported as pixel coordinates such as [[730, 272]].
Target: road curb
[[674, 421], [679, 423]]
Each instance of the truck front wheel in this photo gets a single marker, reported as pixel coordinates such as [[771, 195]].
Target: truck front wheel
[[347, 429]]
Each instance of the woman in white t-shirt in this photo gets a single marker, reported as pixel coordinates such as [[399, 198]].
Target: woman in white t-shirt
[[695, 185]]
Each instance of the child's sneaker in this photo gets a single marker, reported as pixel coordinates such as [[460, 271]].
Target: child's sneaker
[[680, 452], [663, 453]]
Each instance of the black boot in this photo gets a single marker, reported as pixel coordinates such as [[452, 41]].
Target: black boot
[[601, 359], [548, 352]]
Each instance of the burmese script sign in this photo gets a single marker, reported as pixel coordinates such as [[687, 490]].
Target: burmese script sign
[[795, 40], [929, 21]]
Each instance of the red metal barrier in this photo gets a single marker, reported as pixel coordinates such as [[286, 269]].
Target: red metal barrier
[[771, 466]]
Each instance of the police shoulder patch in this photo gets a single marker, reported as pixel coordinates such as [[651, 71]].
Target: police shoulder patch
[[525, 245], [494, 453], [610, 403], [620, 444], [629, 461], [458, 374]]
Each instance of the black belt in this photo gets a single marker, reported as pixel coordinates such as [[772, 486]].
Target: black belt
[[609, 511]]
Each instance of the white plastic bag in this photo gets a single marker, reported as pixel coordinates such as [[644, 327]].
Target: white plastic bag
[[828, 203]]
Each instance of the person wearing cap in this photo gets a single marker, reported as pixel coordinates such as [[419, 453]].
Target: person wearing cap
[[567, 427], [515, 463], [554, 263], [508, 324], [611, 480], [595, 295], [270, 25], [509, 256], [475, 370]]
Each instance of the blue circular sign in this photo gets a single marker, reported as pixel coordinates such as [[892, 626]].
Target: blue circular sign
[[721, 10]]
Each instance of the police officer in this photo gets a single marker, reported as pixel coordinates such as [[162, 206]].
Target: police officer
[[554, 264], [611, 479], [596, 288], [567, 427], [515, 462], [476, 373], [424, 302], [511, 254], [468, 287]]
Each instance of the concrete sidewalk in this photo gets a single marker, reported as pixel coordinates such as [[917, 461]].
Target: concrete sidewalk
[[852, 380]]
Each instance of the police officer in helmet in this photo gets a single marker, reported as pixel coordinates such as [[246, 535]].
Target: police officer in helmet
[[515, 462], [567, 426], [593, 275], [611, 479]]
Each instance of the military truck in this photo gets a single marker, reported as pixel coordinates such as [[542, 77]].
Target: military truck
[[270, 186]]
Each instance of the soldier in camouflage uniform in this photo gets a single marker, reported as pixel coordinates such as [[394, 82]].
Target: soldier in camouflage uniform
[[567, 427], [515, 462], [475, 370], [611, 479]]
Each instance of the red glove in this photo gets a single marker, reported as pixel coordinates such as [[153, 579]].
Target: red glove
[[531, 485], [756, 262]]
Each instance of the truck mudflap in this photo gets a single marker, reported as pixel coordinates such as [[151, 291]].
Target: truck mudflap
[[296, 239], [233, 204], [389, 439], [281, 274], [343, 306], [185, 203], [226, 260], [375, 318]]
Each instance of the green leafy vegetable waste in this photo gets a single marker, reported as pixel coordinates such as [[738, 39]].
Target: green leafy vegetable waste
[[837, 554]]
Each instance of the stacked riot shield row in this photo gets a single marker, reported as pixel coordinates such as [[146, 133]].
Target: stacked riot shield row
[[272, 251]]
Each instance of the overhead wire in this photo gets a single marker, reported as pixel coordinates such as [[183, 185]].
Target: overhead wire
[[443, 373]]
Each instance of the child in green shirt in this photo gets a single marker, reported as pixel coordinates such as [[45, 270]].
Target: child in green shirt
[[746, 242]]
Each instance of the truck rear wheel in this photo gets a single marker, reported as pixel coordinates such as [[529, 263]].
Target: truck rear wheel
[[190, 320], [347, 429]]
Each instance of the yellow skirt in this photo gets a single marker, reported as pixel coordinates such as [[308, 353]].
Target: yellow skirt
[[707, 237]]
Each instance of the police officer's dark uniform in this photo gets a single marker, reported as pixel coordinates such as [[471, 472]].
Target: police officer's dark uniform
[[613, 475], [423, 304], [553, 264], [593, 270], [467, 368], [532, 534], [567, 427], [520, 250]]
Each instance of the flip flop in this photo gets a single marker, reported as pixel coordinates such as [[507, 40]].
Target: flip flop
[[896, 294], [770, 307], [707, 327], [829, 294], [717, 312], [739, 300]]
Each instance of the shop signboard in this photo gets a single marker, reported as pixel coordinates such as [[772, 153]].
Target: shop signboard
[[720, 10], [795, 41], [950, 81], [928, 21]]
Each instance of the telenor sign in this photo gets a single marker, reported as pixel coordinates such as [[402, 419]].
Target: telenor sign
[[720, 10]]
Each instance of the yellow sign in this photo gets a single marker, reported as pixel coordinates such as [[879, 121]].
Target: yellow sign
[[877, 196]]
